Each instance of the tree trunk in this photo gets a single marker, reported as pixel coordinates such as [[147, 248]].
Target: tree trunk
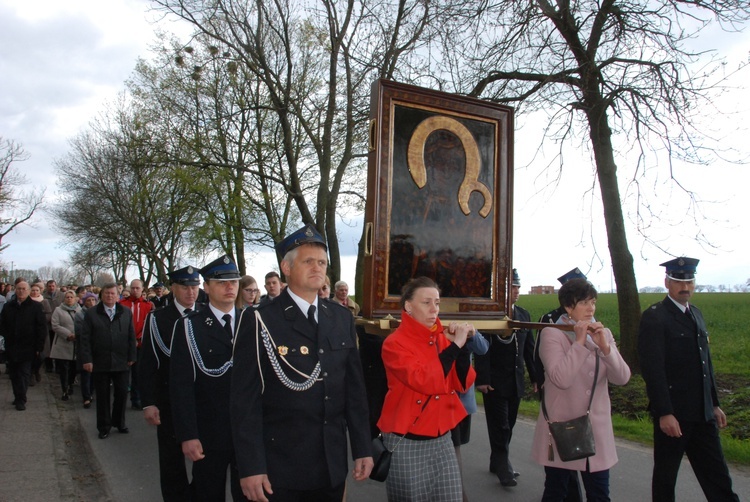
[[622, 261]]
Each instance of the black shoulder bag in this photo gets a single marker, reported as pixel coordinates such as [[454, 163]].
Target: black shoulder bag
[[574, 438]]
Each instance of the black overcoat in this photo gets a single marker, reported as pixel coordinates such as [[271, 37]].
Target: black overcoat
[[109, 345], [299, 438], [24, 327]]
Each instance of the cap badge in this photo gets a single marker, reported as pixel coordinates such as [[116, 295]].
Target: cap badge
[[308, 232], [226, 260], [681, 262], [283, 350], [190, 270]]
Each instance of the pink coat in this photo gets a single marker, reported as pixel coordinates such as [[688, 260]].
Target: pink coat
[[569, 376]]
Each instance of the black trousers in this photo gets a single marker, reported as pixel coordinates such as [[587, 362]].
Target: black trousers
[[67, 371], [501, 413], [327, 494], [175, 486], [700, 441], [210, 476], [20, 374], [110, 412]]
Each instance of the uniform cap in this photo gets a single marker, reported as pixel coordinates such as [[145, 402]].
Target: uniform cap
[[187, 276], [515, 280], [573, 274], [305, 235], [681, 269], [221, 269]]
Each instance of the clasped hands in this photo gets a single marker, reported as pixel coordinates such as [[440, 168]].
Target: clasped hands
[[460, 332], [597, 331]]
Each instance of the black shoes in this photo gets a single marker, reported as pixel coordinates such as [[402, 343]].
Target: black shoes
[[87, 404], [20, 406], [123, 430], [65, 396], [103, 434]]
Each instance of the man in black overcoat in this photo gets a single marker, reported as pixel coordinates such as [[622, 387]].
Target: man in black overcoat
[[199, 381], [297, 387], [500, 377], [24, 326], [676, 365], [153, 373], [107, 350]]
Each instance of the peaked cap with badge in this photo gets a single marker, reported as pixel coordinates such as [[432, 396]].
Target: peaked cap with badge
[[305, 235], [222, 268], [681, 269], [515, 279], [187, 276], [573, 274]]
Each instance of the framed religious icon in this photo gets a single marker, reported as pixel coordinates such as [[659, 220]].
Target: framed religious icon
[[439, 200]]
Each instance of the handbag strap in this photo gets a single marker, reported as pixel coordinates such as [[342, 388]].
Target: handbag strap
[[591, 398], [407, 430]]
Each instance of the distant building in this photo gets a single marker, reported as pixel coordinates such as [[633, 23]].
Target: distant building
[[542, 290]]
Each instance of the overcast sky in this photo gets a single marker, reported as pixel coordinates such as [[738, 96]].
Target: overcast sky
[[62, 61]]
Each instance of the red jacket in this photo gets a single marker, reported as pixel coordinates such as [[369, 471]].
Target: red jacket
[[414, 373], [140, 308]]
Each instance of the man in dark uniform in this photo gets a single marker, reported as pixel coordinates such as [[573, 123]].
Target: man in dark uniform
[[500, 378], [199, 382], [153, 369], [551, 317], [160, 298], [297, 387], [676, 365]]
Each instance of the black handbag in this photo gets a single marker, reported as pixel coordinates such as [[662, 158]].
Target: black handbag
[[382, 455], [574, 438]]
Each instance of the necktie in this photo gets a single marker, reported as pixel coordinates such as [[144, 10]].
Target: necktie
[[111, 313], [187, 311], [228, 325], [311, 316]]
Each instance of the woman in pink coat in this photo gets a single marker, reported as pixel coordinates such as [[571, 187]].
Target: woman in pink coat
[[569, 359]]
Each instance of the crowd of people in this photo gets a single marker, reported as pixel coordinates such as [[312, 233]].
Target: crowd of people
[[268, 391]]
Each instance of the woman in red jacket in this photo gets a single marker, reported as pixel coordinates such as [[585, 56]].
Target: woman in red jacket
[[426, 368]]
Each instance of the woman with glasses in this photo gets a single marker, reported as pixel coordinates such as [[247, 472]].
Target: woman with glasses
[[249, 293]]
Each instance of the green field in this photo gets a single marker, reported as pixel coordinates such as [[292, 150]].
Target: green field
[[728, 319]]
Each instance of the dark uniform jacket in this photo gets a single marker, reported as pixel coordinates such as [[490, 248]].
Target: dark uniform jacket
[[154, 364], [24, 328], [502, 366], [110, 345], [676, 363], [298, 438], [200, 402]]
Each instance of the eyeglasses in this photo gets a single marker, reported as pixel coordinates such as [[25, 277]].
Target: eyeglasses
[[251, 290]]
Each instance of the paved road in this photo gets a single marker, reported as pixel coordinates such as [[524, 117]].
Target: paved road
[[131, 468]]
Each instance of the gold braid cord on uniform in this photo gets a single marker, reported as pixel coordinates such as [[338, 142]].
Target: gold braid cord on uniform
[[271, 352]]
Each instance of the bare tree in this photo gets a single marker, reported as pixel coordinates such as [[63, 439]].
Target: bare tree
[[119, 196], [219, 128], [314, 66], [603, 68], [16, 206]]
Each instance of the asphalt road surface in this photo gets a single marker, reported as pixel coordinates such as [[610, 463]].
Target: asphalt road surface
[[129, 462]]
